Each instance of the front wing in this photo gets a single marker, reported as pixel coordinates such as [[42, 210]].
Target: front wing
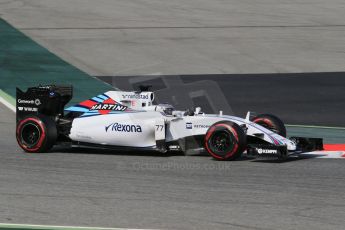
[[270, 151]]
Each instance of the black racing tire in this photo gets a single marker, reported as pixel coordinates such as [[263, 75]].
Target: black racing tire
[[36, 134], [225, 140], [270, 122]]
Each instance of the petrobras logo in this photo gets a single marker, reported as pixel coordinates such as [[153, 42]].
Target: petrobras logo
[[267, 151], [202, 126], [135, 96], [117, 127], [189, 125], [106, 106]]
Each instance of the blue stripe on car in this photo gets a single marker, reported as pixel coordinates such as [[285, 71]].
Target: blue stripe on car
[[97, 99], [103, 97]]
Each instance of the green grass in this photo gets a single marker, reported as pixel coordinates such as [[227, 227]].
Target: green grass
[[24, 63]]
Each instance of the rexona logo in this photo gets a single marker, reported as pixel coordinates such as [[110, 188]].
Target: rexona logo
[[117, 127], [107, 106], [267, 151]]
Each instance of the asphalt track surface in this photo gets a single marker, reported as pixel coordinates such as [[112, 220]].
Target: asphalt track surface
[[111, 38], [149, 190]]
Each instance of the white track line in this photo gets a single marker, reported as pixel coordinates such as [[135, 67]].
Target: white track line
[[63, 227], [315, 126], [7, 104], [326, 154]]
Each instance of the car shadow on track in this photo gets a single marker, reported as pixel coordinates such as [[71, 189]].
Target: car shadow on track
[[100, 151], [147, 153], [290, 159], [258, 160]]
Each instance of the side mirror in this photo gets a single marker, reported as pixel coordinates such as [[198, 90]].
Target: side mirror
[[197, 110]]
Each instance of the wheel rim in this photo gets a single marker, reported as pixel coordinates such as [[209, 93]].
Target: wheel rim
[[221, 142], [30, 135]]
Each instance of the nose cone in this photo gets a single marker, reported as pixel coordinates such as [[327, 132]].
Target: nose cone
[[291, 145]]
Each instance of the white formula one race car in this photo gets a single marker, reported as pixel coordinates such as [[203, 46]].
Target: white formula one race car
[[130, 120]]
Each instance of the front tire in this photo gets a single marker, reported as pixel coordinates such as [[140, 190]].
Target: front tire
[[270, 122], [225, 140], [36, 134]]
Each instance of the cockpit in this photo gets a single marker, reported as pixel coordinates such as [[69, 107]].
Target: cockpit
[[144, 101], [167, 109]]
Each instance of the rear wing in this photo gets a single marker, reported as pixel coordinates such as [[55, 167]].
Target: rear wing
[[49, 100]]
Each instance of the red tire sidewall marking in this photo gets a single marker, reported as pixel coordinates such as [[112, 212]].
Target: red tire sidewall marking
[[42, 137], [209, 134], [269, 123], [264, 120]]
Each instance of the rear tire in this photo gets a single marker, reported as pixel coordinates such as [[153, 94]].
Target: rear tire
[[36, 133], [270, 122], [225, 140]]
